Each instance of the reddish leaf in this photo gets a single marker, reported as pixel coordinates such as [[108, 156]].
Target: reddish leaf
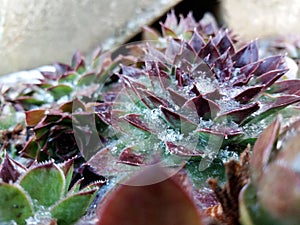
[[10, 170], [279, 193], [103, 110], [155, 100], [285, 86], [204, 107], [279, 102], [164, 203], [224, 62], [78, 62], [33, 117], [179, 78], [135, 120], [128, 156], [182, 150], [164, 79], [72, 106], [61, 68], [263, 148], [173, 49], [248, 94], [221, 131], [105, 163], [177, 120]]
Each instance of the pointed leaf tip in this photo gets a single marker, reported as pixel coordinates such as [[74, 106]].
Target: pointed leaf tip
[[246, 55]]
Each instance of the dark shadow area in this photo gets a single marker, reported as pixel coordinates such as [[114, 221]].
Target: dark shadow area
[[198, 8]]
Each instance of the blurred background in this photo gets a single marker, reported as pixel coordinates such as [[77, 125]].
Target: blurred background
[[39, 32]]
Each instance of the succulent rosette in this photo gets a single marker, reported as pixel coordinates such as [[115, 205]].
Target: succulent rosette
[[189, 94], [68, 93], [62, 133], [42, 193], [81, 79]]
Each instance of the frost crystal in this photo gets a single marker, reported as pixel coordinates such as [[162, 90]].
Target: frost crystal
[[170, 135], [11, 222], [205, 84], [41, 217], [227, 105]]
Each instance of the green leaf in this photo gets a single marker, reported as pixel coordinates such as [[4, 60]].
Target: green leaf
[[68, 169], [200, 177], [14, 204], [72, 208], [45, 183], [7, 117], [31, 149], [251, 212], [68, 77], [187, 35], [150, 34], [104, 76], [28, 101], [87, 79], [60, 90]]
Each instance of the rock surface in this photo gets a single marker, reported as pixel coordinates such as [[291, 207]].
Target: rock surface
[[38, 32], [252, 19]]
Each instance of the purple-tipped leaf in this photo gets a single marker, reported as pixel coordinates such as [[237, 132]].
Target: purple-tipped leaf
[[270, 77], [210, 51], [10, 170], [204, 107], [239, 115], [197, 42], [268, 64], [225, 44], [177, 120], [249, 69], [248, 94], [78, 62], [246, 55], [135, 120]]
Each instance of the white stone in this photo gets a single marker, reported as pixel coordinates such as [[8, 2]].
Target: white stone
[[252, 19], [39, 32]]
